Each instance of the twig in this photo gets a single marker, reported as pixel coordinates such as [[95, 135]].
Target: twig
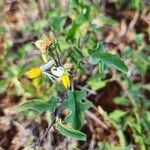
[[90, 92], [92, 143], [27, 38], [103, 5], [93, 117], [133, 22], [57, 54], [10, 1]]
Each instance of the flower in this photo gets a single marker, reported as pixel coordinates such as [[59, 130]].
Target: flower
[[41, 45], [57, 73], [45, 42], [35, 72], [62, 76]]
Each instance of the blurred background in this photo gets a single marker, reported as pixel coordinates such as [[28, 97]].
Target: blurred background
[[119, 118]]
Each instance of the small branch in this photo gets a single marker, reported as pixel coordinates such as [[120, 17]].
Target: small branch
[[60, 108], [57, 54], [90, 92], [92, 143], [10, 1], [103, 5], [93, 117], [134, 21], [53, 56], [27, 38]]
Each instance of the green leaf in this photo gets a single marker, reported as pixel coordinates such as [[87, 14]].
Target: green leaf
[[121, 101], [121, 137], [96, 82], [72, 31], [77, 107], [131, 121], [117, 115], [139, 38], [66, 130], [76, 56], [108, 21], [75, 3], [58, 23], [109, 60], [2, 30], [128, 51], [107, 145], [40, 105], [3, 85], [135, 4], [80, 25]]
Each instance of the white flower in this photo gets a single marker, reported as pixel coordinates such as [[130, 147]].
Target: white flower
[[57, 73]]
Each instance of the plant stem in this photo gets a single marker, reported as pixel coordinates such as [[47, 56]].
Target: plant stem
[[60, 108]]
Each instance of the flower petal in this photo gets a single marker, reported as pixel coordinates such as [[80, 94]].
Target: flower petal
[[57, 71], [65, 80], [47, 65], [34, 72]]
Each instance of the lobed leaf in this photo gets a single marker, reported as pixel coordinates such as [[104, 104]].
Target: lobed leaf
[[77, 107], [40, 105], [109, 60], [66, 130]]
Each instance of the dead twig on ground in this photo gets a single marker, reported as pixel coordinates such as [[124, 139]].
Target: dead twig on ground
[[97, 120], [133, 22]]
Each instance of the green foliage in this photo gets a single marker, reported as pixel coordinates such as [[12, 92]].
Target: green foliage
[[137, 131], [117, 115], [3, 85], [122, 101], [58, 23], [108, 59], [39, 105], [73, 103], [96, 82], [76, 107], [125, 120], [81, 22], [71, 33], [106, 146], [108, 21], [135, 4], [80, 31], [139, 38], [67, 130], [132, 4]]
